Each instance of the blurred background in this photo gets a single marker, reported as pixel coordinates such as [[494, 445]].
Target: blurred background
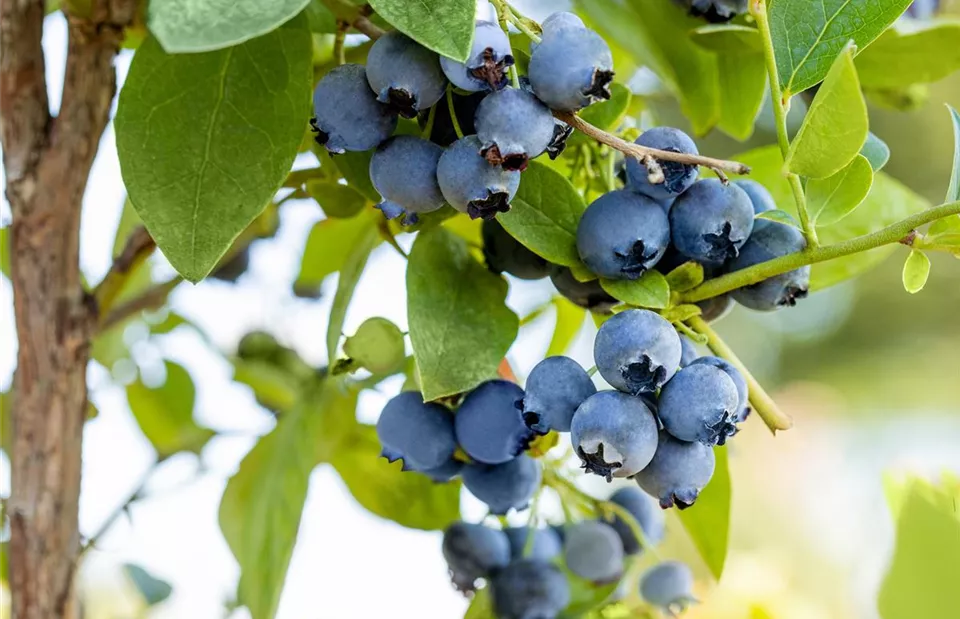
[[870, 374]]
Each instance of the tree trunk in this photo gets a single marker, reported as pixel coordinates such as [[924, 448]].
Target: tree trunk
[[47, 162]]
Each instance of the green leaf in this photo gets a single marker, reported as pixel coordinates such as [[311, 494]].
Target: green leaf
[[685, 277], [184, 26], [355, 168], [606, 115], [680, 313], [205, 140], [585, 596], [944, 226], [165, 413], [445, 26], [459, 325], [140, 279], [544, 215], [569, 322], [808, 34], [953, 191], [320, 18], [410, 499], [5, 251], [262, 503], [728, 38], [779, 216], [275, 388], [153, 589], [916, 270], [336, 200], [743, 85], [651, 290], [835, 127], [876, 151], [377, 346], [481, 606], [833, 198], [921, 581], [924, 54], [354, 262], [328, 246], [708, 521]]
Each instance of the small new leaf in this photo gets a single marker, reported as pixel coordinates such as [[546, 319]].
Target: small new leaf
[[685, 277], [953, 191], [650, 291], [916, 270], [781, 217], [377, 346]]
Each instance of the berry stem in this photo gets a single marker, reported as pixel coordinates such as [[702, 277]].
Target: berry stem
[[338, 52], [760, 400], [453, 113], [428, 129], [780, 106], [644, 154], [367, 27], [524, 24], [759, 272]]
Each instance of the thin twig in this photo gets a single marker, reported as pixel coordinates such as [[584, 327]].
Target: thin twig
[[152, 298], [368, 28], [121, 509], [138, 248]]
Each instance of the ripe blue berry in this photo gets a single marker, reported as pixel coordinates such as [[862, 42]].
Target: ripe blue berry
[[614, 434], [589, 295], [716, 308], [716, 11], [417, 432], [622, 234], [486, 68], [592, 550], [711, 221], [347, 114], [505, 254], [772, 240], [678, 472], [668, 586], [555, 388], [404, 74], [545, 546], [760, 198], [529, 589], [504, 486], [743, 393], [472, 552], [571, 68], [513, 127], [700, 403], [445, 472], [637, 351], [473, 186], [404, 171], [489, 425], [561, 20], [677, 177], [689, 352], [645, 512]]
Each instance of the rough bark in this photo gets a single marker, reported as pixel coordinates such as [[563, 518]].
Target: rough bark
[[47, 162]]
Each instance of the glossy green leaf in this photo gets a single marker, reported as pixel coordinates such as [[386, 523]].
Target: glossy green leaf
[[410, 499], [916, 270], [242, 112], [831, 199], [901, 57], [835, 127], [377, 346], [569, 322], [708, 520], [685, 277], [186, 26], [354, 262], [153, 589], [459, 325], [953, 191], [651, 290], [544, 215], [921, 581], [728, 38], [808, 34], [336, 200], [876, 151], [743, 86], [328, 246], [606, 115], [445, 26], [779, 216]]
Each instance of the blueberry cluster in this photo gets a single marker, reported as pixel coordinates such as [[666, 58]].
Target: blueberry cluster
[[472, 158]]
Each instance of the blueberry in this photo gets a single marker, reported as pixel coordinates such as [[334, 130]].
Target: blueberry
[[231, 269], [689, 352], [593, 551], [505, 254], [589, 295], [716, 11], [489, 424], [560, 21], [669, 586], [545, 546], [464, 106], [743, 393], [417, 432], [760, 198], [622, 234], [445, 472], [678, 472], [404, 74], [678, 177], [715, 308], [504, 486], [769, 241], [555, 388], [486, 68], [700, 403], [472, 552], [614, 434], [645, 512], [513, 127], [347, 114], [404, 171], [637, 351], [529, 589], [473, 186], [571, 68], [711, 221]]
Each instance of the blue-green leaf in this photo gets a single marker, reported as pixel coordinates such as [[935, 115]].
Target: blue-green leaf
[[708, 520], [876, 151], [953, 191], [153, 589]]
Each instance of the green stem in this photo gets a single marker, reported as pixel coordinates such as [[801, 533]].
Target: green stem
[[761, 401], [532, 524], [759, 10], [338, 43], [759, 272], [524, 24], [453, 113], [428, 129]]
